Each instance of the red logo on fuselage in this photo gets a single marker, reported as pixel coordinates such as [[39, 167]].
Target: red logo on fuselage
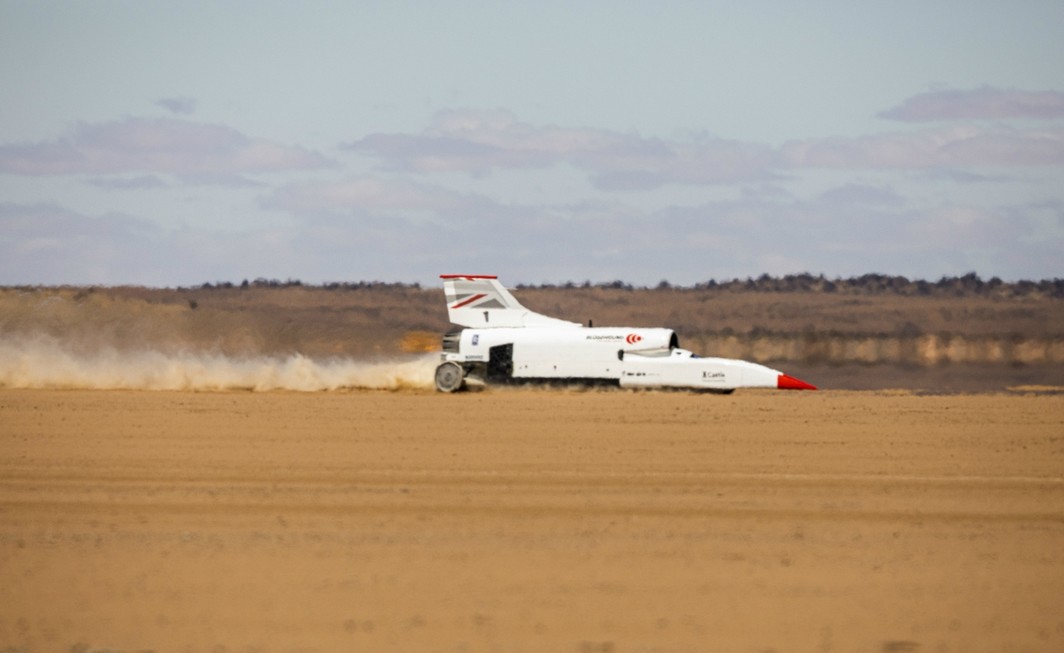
[[633, 338]]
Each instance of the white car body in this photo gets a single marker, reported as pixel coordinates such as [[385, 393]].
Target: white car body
[[504, 342]]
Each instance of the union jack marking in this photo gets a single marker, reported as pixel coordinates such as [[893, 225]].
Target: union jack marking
[[466, 302]]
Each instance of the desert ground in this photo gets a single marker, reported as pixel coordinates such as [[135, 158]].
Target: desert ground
[[531, 520]]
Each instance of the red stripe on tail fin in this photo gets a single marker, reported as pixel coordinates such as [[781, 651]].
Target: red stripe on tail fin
[[470, 300]]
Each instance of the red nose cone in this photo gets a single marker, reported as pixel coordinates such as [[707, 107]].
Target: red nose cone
[[790, 383]]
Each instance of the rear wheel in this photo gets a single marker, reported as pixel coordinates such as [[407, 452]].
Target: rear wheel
[[449, 377]]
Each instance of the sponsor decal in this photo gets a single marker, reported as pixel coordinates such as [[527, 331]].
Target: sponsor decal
[[476, 339], [631, 338]]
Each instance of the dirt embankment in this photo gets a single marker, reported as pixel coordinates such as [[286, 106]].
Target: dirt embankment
[[812, 327], [1005, 333]]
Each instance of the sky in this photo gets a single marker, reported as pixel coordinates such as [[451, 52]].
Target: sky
[[178, 143]]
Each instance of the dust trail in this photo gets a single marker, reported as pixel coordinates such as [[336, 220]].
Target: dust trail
[[45, 362]]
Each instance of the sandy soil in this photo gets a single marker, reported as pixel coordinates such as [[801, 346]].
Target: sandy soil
[[531, 520]]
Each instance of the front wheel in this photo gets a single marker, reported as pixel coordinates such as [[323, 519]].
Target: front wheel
[[449, 377]]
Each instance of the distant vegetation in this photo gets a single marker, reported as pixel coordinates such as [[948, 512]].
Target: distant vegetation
[[868, 284], [968, 285], [296, 283]]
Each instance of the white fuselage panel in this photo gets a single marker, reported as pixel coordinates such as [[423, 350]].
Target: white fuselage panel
[[681, 369], [565, 352], [634, 357]]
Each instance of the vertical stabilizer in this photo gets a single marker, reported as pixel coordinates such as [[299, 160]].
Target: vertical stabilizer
[[477, 300]]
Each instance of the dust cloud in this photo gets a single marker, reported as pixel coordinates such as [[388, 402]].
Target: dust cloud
[[43, 361]]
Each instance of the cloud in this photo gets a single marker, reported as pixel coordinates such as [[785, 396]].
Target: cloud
[[45, 243], [478, 142], [181, 105], [142, 182], [49, 244], [49, 221], [985, 103], [152, 182], [219, 179], [381, 229], [862, 194], [162, 145], [410, 224], [841, 232], [964, 176], [369, 194], [395, 229], [947, 146]]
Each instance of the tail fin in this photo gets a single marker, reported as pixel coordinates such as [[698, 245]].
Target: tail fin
[[477, 300]]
